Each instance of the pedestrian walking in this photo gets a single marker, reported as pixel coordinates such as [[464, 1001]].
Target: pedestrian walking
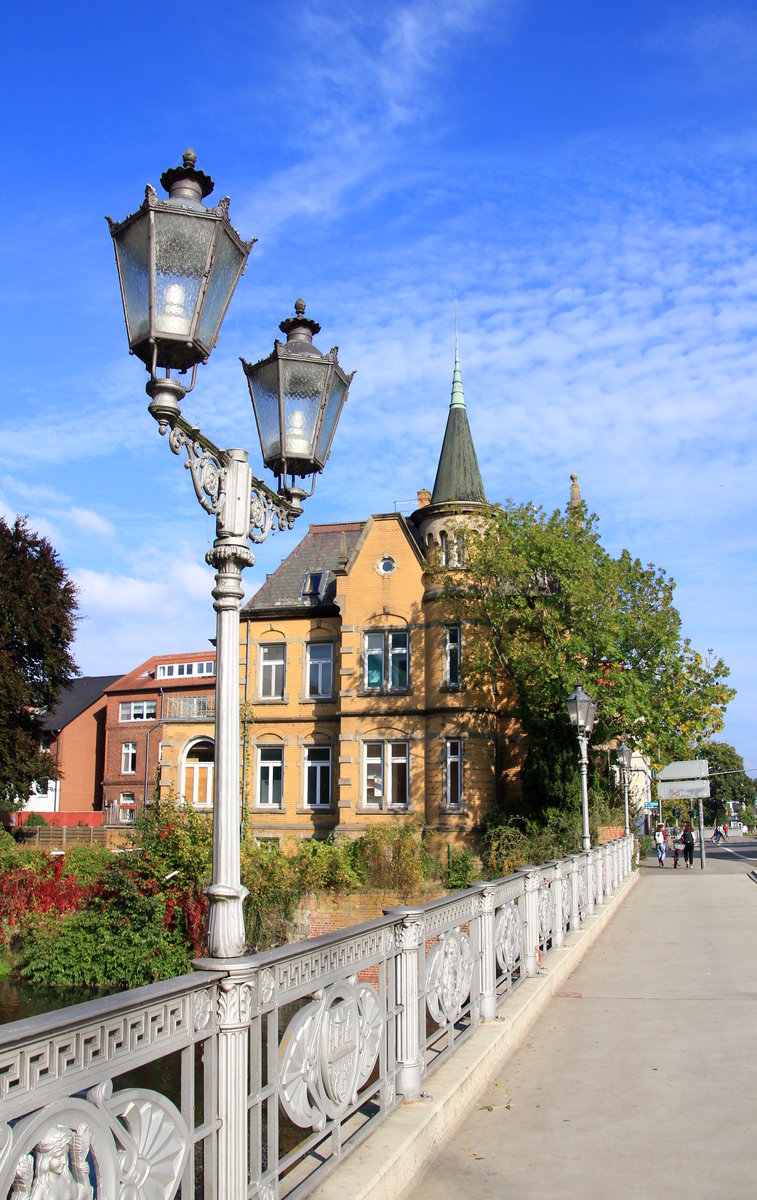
[[659, 841], [688, 847]]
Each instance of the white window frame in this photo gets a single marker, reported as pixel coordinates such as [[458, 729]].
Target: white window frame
[[172, 670], [127, 807], [190, 776], [320, 670], [391, 646], [453, 772], [385, 763], [128, 758], [453, 644], [267, 766], [317, 776], [137, 710], [269, 669]]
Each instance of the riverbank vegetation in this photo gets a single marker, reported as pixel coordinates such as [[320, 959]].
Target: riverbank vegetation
[[93, 918], [108, 920]]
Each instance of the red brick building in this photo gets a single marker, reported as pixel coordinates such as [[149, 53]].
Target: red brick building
[[74, 736], [167, 699]]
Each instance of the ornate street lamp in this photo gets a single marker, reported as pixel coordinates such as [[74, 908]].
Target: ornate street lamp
[[297, 396], [582, 710], [623, 755], [178, 265]]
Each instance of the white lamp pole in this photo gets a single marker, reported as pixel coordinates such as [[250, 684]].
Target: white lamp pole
[[582, 710], [623, 755], [178, 265]]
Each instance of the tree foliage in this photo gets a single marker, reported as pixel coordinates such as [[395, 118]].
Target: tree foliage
[[544, 604], [37, 623], [729, 783]]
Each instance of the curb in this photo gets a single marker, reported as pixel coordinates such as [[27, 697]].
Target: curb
[[383, 1166]]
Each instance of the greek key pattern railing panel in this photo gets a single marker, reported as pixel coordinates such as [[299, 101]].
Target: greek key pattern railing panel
[[288, 1060], [305, 971], [61, 1062]]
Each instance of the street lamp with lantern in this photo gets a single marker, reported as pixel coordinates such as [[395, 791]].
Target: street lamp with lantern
[[582, 709], [623, 755], [178, 265]]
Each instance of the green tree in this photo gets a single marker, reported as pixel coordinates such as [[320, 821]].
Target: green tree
[[544, 604], [37, 624], [729, 783]]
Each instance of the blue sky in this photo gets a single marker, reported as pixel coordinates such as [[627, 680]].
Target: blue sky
[[582, 175]]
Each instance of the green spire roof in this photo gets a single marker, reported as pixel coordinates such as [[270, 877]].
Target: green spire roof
[[458, 478]]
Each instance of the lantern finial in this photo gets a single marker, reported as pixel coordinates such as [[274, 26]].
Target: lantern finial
[[299, 327], [186, 182]]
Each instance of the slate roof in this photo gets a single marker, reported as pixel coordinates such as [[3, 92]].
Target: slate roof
[[75, 699], [323, 551]]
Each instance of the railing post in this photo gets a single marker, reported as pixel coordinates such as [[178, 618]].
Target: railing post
[[610, 869], [408, 936], [603, 886], [487, 952], [571, 891], [235, 999], [531, 923], [592, 868], [618, 863], [560, 905]]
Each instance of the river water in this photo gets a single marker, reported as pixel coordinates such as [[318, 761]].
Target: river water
[[19, 999]]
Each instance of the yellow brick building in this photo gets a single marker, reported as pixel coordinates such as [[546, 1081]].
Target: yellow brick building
[[353, 706]]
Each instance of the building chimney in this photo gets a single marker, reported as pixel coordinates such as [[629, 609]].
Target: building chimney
[[424, 498]]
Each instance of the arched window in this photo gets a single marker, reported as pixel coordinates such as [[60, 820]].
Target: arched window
[[443, 549], [197, 776]]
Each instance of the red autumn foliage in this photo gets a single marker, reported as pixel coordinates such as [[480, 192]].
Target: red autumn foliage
[[24, 892]]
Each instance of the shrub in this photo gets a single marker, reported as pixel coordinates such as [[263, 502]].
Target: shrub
[[174, 837], [392, 857], [34, 820], [461, 869], [126, 935]]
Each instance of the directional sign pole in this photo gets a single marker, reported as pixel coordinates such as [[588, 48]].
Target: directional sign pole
[[702, 856]]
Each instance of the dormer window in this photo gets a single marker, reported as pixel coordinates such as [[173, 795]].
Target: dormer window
[[181, 669], [313, 585]]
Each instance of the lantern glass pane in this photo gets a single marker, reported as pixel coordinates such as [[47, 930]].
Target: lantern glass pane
[[265, 391], [132, 252], [331, 417], [227, 264], [182, 243], [303, 380]]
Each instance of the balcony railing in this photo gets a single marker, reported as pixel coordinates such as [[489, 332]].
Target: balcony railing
[[190, 708], [254, 1082]]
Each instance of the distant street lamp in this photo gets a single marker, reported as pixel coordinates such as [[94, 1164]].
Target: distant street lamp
[[623, 754], [582, 710], [178, 265]]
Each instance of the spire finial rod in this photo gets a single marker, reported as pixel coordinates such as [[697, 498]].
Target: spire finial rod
[[458, 399]]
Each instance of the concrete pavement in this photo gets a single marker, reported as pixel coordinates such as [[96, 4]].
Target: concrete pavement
[[638, 1079]]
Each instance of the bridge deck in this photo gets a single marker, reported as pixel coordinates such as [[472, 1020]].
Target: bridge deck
[[638, 1078]]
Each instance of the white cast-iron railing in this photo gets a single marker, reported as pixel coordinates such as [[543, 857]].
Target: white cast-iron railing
[[252, 1078]]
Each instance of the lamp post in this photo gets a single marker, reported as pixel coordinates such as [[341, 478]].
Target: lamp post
[[623, 755], [178, 265], [582, 710]]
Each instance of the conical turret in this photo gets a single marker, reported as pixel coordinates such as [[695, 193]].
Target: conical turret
[[458, 478]]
